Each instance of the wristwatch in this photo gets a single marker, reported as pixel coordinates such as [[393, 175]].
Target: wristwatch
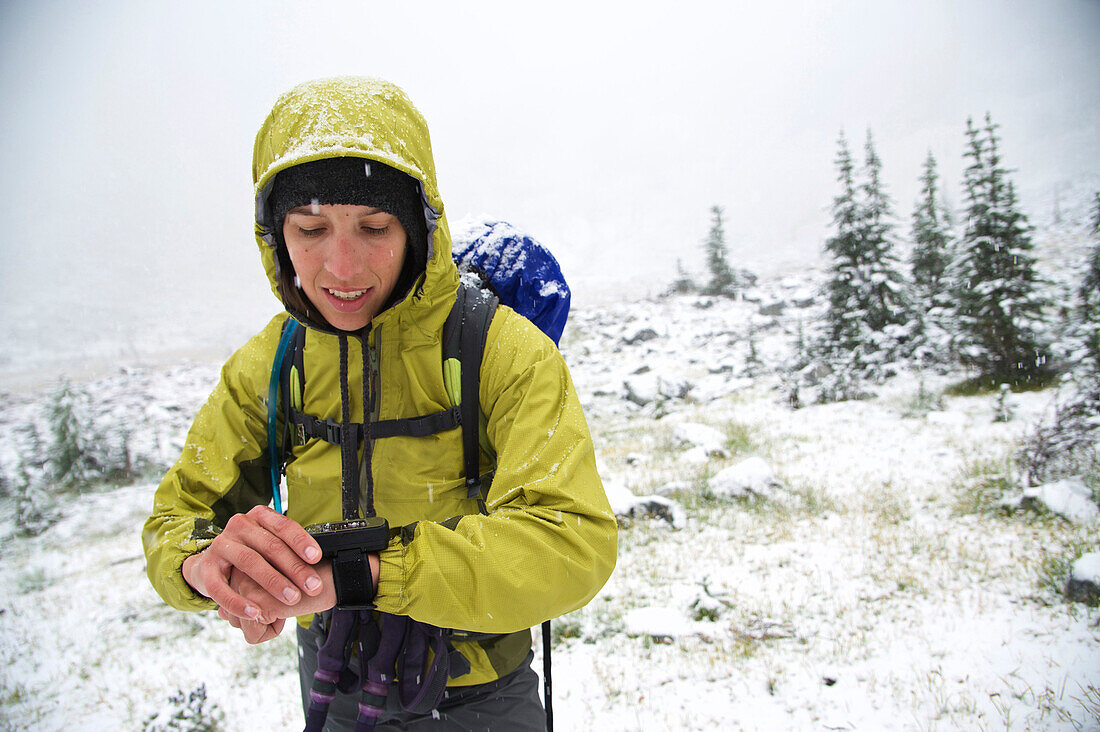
[[349, 545]]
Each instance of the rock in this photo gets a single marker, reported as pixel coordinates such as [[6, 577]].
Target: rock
[[948, 419], [749, 477], [627, 505], [643, 389], [657, 507], [640, 335], [1083, 584], [700, 435], [660, 623], [815, 373], [1069, 498], [773, 308], [803, 299]]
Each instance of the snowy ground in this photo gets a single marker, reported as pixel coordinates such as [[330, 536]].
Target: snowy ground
[[866, 592]]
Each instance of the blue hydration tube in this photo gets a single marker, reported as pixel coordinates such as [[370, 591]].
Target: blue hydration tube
[[272, 402]]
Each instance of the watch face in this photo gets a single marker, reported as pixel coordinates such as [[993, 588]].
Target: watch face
[[365, 535], [336, 526], [347, 525]]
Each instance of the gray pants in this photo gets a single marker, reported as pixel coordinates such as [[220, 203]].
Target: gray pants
[[509, 703]]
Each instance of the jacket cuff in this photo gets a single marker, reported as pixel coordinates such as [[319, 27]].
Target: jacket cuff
[[184, 595], [390, 593]]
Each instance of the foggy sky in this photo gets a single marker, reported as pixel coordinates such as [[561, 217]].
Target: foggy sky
[[126, 134]]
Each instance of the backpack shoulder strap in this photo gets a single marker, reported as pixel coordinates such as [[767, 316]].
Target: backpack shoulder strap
[[464, 336], [291, 339]]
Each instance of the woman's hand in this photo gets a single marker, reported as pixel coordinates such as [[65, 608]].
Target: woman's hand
[[273, 551], [272, 609], [273, 614], [254, 630]]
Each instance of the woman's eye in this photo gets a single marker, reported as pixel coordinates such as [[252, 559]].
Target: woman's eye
[[376, 230], [310, 232]]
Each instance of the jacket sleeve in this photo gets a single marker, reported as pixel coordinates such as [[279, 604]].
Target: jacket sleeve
[[221, 471], [549, 541]]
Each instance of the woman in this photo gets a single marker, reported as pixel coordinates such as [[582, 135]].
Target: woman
[[355, 243]]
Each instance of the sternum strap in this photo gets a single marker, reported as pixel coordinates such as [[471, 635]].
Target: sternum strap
[[331, 430]]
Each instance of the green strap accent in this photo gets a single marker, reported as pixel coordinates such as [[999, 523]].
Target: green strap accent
[[295, 388], [452, 379]]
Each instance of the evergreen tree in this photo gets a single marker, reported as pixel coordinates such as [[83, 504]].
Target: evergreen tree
[[684, 283], [865, 323], [929, 265], [931, 239], [999, 308], [721, 275], [843, 317], [69, 457], [884, 286]]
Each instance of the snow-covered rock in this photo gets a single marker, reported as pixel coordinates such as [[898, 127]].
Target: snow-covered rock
[[643, 389], [659, 622], [704, 436], [753, 476], [627, 505], [639, 335], [776, 307], [1083, 584], [1069, 498], [947, 419]]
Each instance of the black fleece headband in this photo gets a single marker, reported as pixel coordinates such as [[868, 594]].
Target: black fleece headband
[[360, 182]]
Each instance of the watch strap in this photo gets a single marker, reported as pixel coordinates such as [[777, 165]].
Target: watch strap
[[351, 576]]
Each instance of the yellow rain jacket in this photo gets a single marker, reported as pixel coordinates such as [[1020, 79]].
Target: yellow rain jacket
[[548, 542]]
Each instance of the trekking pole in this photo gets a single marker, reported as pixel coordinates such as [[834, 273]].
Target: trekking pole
[[546, 683]]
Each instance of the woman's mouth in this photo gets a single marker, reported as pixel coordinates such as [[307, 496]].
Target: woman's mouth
[[346, 301], [347, 295]]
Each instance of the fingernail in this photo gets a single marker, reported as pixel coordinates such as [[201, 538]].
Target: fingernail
[[252, 611], [313, 584], [291, 595], [313, 554]]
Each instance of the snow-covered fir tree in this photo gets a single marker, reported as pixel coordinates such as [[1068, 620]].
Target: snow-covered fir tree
[[866, 320], [69, 455], [842, 319], [929, 262], [684, 283], [998, 303], [887, 309], [721, 280]]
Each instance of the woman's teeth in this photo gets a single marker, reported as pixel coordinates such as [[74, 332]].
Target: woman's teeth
[[347, 295]]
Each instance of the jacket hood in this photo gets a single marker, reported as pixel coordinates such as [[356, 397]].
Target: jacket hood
[[352, 117]]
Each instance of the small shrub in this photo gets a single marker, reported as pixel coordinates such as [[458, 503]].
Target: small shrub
[[982, 483], [740, 439], [923, 402], [567, 626], [35, 509], [1002, 410], [187, 712], [1067, 441]]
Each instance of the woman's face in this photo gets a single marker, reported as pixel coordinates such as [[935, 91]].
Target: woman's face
[[347, 259]]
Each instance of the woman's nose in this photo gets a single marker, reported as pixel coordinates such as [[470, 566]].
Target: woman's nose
[[345, 258]]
